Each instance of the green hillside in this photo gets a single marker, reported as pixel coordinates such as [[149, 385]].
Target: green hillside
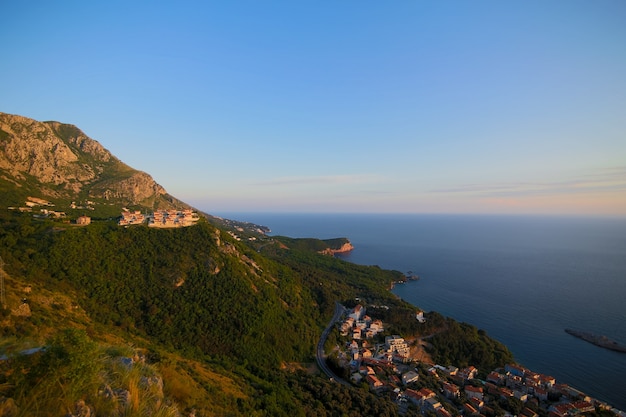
[[228, 330]]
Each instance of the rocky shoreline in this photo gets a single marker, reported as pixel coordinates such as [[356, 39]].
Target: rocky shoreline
[[346, 247]]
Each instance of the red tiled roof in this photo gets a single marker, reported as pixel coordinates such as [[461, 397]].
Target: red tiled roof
[[371, 379], [443, 412], [412, 393], [450, 387], [426, 393]]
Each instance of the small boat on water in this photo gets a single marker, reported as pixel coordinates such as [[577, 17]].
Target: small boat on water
[[598, 340]]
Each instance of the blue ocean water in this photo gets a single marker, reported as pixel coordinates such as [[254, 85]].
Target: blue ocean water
[[521, 279]]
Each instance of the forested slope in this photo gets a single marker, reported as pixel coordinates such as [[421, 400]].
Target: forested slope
[[190, 288], [210, 312]]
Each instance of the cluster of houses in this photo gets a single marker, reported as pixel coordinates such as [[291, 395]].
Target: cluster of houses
[[87, 205], [238, 238], [359, 326], [160, 218], [526, 385], [388, 369], [34, 202], [374, 362], [131, 217], [536, 392], [458, 383]]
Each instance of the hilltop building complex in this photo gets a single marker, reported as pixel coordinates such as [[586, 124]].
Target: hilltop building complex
[[160, 218]]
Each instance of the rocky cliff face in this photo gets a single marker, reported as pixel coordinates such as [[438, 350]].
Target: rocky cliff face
[[31, 148], [60, 161], [136, 188], [344, 248]]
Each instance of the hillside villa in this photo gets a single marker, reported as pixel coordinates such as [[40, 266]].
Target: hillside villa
[[160, 218]]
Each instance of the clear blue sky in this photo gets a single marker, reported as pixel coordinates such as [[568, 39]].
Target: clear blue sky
[[339, 106]]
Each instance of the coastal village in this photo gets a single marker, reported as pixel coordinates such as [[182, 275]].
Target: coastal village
[[395, 368]]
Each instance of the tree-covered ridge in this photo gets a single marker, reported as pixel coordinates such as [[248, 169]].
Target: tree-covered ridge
[[194, 289], [315, 245]]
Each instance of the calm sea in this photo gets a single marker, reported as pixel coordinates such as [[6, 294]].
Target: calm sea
[[521, 279]]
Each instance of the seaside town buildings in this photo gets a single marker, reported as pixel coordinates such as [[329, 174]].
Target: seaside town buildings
[[387, 369]]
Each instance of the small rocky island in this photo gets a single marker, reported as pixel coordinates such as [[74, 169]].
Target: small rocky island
[[598, 340]]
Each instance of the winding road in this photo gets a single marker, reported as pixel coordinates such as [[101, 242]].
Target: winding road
[[319, 356]]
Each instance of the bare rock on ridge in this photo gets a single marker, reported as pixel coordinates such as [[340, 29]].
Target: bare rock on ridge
[[60, 161]]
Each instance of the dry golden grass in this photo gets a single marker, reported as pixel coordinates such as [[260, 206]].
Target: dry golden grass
[[418, 350], [310, 367], [195, 386]]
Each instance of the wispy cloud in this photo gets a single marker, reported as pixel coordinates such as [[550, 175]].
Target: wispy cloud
[[606, 180], [321, 180]]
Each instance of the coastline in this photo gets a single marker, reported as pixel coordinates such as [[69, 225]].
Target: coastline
[[345, 248], [523, 279]]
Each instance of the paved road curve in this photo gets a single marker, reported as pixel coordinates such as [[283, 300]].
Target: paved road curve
[[319, 356]]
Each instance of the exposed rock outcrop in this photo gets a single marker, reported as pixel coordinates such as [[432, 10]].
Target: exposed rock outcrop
[[81, 409], [136, 188], [8, 408], [23, 310], [61, 162], [346, 247]]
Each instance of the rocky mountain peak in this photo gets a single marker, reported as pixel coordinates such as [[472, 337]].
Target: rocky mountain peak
[[59, 161], [76, 137]]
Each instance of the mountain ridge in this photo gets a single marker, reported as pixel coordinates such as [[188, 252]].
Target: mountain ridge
[[62, 163], [56, 164]]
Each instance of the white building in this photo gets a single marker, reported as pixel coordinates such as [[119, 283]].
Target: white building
[[358, 312], [397, 344]]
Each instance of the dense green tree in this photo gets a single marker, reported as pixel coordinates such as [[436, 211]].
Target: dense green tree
[[461, 344]]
